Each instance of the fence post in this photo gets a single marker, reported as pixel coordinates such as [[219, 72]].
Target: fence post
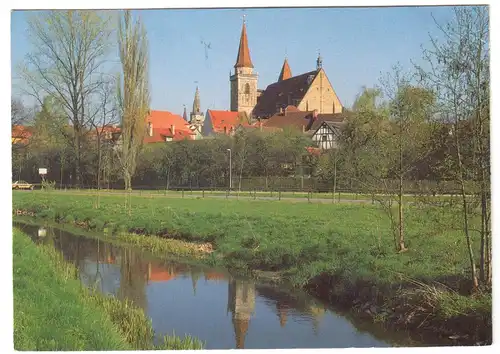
[[254, 194], [308, 196], [203, 193], [279, 194]]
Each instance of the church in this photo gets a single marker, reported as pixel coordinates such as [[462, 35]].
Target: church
[[311, 91]]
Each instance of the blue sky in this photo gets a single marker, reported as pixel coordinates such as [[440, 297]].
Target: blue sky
[[356, 44]]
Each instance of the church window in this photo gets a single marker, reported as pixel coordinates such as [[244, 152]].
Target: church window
[[247, 88]]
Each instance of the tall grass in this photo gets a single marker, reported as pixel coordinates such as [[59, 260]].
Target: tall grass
[[53, 311]]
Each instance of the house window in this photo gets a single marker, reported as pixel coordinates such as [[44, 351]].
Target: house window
[[247, 89], [324, 137]]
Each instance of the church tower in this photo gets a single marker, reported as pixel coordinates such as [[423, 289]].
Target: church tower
[[244, 81], [196, 116]]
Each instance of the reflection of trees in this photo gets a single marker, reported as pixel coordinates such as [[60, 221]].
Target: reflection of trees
[[133, 278], [241, 303]]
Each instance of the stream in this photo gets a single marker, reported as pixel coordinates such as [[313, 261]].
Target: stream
[[223, 311]]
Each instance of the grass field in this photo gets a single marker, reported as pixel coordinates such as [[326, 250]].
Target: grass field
[[52, 311], [301, 240]]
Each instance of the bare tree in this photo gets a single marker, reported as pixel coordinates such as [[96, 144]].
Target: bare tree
[[103, 126], [133, 93], [459, 73], [69, 50]]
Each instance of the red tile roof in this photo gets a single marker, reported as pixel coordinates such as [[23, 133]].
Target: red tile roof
[[21, 134], [227, 119], [162, 122], [243, 59]]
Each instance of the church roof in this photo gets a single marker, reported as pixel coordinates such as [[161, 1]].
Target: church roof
[[286, 72], [282, 92], [243, 59]]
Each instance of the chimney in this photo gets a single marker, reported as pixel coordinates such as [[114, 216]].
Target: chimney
[[172, 128], [150, 129], [315, 114]]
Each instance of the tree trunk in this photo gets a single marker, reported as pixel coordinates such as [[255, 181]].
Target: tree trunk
[[98, 171], [465, 212], [402, 247], [334, 175]]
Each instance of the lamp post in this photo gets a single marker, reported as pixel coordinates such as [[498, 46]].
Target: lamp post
[[230, 170]]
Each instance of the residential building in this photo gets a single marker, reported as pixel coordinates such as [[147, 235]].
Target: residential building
[[224, 122], [326, 135], [164, 126]]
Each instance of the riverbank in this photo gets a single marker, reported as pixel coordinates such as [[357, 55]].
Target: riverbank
[[52, 311], [309, 245]]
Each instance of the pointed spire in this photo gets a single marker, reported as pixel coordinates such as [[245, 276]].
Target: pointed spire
[[243, 60], [319, 61], [286, 73], [196, 102], [240, 331], [184, 115]]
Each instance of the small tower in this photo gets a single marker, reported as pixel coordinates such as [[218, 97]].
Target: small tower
[[286, 73], [319, 62], [196, 116], [184, 115], [244, 80]]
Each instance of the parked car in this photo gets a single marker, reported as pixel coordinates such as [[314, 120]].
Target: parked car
[[22, 185]]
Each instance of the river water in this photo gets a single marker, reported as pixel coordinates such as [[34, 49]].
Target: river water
[[223, 311]]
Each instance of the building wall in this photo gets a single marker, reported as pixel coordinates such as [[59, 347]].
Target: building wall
[[243, 98], [330, 138], [321, 96]]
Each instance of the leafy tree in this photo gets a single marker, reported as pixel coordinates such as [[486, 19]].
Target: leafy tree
[[133, 93]]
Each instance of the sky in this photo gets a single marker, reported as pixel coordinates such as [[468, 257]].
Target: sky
[[356, 44]]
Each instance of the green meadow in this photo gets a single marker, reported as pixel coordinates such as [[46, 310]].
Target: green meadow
[[298, 240], [53, 311]]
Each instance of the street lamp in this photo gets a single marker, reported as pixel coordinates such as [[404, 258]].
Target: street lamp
[[230, 168]]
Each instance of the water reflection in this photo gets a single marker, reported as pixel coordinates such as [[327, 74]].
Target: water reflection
[[241, 303], [191, 299]]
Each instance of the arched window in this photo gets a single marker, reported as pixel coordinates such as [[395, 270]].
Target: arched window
[[247, 88]]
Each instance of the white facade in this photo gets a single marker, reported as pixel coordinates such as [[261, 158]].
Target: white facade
[[326, 136]]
